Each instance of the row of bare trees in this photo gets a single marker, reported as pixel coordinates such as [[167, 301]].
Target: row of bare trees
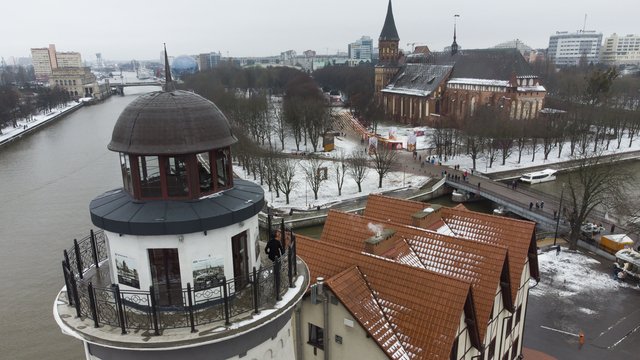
[[604, 116], [16, 105]]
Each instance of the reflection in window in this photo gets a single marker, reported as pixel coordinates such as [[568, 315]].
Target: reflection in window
[[316, 336], [205, 178], [222, 168], [175, 170], [127, 180], [150, 183]]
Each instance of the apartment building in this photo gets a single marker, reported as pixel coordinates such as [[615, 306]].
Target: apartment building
[[621, 50], [567, 48]]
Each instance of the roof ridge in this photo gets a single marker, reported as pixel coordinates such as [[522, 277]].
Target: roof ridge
[[375, 298]]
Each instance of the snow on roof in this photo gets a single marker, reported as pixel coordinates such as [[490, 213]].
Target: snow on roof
[[531, 88], [484, 82]]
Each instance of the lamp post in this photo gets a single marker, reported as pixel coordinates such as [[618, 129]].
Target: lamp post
[[559, 212]]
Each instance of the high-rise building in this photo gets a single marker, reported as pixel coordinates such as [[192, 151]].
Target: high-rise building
[[69, 59], [47, 59], [44, 60], [568, 48], [215, 58], [621, 50], [361, 49]]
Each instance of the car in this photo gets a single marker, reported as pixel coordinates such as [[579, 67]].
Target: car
[[591, 228]]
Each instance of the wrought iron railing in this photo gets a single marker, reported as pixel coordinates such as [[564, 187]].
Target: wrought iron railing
[[139, 310]]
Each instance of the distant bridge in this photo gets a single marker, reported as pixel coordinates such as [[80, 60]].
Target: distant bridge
[[515, 201], [132, 84]]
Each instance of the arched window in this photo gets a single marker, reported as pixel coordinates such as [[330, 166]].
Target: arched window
[[486, 102], [500, 103], [473, 105], [461, 101], [74, 82]]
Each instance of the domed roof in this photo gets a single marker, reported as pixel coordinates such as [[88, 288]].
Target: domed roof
[[176, 122], [184, 62]]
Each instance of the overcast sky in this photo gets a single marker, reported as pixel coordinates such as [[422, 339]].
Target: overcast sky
[[129, 29]]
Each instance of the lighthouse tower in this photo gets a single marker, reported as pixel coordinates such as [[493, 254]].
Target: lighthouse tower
[[175, 270]]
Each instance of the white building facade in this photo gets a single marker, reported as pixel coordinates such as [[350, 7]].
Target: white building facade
[[567, 48], [621, 50]]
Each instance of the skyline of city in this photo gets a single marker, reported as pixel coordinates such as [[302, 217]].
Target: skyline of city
[[135, 31]]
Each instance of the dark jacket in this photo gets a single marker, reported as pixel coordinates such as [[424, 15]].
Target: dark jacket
[[273, 249]]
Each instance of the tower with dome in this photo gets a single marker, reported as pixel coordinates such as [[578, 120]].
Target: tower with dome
[[175, 269]]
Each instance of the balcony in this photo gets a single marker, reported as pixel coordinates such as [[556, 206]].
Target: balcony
[[91, 308]]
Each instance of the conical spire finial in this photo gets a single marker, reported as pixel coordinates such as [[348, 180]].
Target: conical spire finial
[[454, 46], [169, 85], [389, 31]]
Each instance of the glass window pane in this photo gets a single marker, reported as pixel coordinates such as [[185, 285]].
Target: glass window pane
[[205, 178], [222, 167], [175, 169], [127, 180], [150, 183]]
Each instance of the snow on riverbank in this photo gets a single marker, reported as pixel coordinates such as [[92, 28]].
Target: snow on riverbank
[[482, 163], [9, 131]]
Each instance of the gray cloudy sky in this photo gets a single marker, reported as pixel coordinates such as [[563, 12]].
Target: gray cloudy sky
[[133, 29]]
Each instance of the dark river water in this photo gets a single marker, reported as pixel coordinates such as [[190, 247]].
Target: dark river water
[[46, 183]]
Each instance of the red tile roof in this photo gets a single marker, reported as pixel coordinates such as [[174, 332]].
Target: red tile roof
[[410, 312], [393, 209], [518, 236], [477, 262]]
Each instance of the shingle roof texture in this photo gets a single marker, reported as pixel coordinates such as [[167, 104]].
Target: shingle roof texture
[[175, 122], [515, 235], [393, 209], [389, 31], [422, 309], [474, 261], [484, 64]]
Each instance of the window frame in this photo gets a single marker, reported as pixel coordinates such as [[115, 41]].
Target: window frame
[[163, 179], [314, 339]]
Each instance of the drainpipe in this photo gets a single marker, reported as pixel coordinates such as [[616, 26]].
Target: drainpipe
[[298, 332], [325, 309], [502, 334]]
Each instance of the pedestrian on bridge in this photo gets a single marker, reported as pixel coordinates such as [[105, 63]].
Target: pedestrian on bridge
[[542, 205], [537, 205], [531, 206], [478, 184]]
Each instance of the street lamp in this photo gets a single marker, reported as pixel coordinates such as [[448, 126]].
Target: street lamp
[[559, 212]]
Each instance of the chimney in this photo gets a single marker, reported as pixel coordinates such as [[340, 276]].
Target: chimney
[[381, 243], [427, 217], [319, 282]]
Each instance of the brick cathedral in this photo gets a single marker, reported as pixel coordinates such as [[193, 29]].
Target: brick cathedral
[[425, 87]]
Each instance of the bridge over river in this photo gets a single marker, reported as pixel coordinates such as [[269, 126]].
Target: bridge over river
[[518, 201]]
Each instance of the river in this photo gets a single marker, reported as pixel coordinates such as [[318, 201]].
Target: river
[[46, 183]]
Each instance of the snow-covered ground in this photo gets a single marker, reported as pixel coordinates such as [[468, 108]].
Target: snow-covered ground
[[302, 196], [482, 163], [10, 131], [572, 275]]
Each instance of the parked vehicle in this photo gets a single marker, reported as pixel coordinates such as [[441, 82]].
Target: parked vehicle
[[628, 260]]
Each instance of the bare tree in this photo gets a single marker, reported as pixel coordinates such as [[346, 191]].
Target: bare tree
[[287, 171], [312, 174], [384, 161], [340, 169], [358, 166], [596, 182]]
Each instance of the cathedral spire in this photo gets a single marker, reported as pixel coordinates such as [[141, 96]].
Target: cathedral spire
[[454, 46], [389, 31]]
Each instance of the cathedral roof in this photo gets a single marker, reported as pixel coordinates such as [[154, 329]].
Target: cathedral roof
[[389, 31], [422, 73]]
